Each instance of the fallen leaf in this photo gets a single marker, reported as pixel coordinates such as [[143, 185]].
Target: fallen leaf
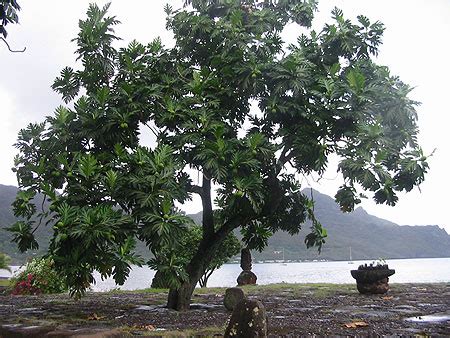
[[147, 327], [354, 325], [95, 316], [387, 297]]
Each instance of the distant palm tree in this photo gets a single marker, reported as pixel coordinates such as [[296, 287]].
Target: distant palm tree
[[4, 262]]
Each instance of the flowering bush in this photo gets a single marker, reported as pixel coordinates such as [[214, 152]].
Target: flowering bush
[[26, 287], [39, 276]]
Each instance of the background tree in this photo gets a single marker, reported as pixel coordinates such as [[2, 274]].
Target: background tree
[[4, 262], [183, 253], [323, 95]]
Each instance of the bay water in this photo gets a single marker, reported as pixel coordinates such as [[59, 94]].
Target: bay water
[[423, 270]]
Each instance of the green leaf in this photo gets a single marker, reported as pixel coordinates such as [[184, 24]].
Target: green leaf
[[23, 236], [87, 166], [356, 80]]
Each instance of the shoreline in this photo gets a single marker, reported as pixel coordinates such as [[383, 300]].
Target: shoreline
[[270, 261]]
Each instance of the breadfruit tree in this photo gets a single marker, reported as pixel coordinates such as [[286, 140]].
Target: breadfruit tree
[[229, 102]]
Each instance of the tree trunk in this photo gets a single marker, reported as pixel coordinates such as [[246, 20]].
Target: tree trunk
[[179, 299], [205, 277]]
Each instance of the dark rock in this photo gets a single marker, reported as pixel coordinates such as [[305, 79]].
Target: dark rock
[[199, 306], [370, 276], [246, 277], [373, 281], [233, 296], [31, 310], [246, 259], [19, 331], [248, 320], [146, 308], [89, 333], [379, 287]]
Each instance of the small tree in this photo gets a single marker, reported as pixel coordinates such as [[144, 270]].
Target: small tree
[[4, 262], [181, 255], [323, 95]]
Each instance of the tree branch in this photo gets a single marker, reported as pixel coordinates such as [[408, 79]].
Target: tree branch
[[284, 157], [11, 50], [151, 129], [195, 189], [208, 218]]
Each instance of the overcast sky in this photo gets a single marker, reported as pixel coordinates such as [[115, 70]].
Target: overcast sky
[[415, 48]]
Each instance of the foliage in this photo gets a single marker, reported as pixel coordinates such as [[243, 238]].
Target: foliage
[[8, 14], [4, 262], [379, 264], [323, 95], [39, 276], [180, 255]]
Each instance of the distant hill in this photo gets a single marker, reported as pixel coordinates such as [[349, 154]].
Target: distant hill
[[7, 218], [368, 236]]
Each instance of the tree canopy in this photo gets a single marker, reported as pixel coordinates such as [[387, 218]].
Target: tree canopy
[[230, 102], [8, 15]]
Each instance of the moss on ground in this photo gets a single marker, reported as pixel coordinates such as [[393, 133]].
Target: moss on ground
[[314, 289], [154, 332], [4, 282]]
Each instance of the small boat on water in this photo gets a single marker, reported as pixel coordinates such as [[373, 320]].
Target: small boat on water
[[350, 261]]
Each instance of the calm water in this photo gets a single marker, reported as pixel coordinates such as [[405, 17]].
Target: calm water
[[425, 270]]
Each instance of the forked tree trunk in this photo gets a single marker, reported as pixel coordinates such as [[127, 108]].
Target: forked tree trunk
[[205, 277], [179, 299]]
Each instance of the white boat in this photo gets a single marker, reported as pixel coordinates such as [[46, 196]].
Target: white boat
[[350, 255]]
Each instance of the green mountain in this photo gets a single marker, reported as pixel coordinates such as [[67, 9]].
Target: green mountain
[[7, 196], [366, 236], [369, 237]]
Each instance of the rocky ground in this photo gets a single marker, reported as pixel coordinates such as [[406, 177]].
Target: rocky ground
[[293, 309]]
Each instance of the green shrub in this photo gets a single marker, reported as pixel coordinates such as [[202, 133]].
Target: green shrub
[[39, 276], [4, 262]]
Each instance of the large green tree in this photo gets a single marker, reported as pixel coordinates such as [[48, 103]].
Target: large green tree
[[231, 103]]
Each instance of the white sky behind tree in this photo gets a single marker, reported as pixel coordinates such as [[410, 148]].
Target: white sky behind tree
[[415, 47]]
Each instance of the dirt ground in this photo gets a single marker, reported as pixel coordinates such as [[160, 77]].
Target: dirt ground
[[293, 310]]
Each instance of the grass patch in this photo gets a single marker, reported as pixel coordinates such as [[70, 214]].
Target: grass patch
[[147, 290], [320, 290], [203, 332], [206, 291], [4, 282], [313, 289]]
